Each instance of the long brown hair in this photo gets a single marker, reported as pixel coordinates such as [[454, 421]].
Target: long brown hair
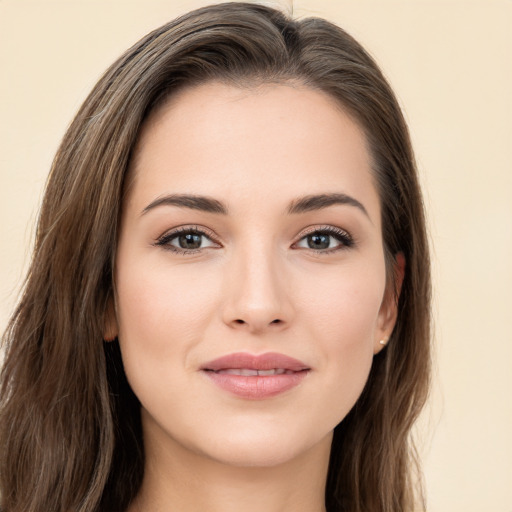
[[70, 433]]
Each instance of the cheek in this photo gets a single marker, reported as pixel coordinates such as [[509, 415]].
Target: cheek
[[343, 306], [342, 317], [162, 314]]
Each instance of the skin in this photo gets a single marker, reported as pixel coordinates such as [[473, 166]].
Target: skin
[[255, 285]]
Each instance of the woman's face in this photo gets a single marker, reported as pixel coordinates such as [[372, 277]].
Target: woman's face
[[251, 284]]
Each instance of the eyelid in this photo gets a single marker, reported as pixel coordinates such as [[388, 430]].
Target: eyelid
[[345, 239], [164, 239], [184, 228]]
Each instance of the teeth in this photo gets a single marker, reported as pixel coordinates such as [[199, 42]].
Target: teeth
[[267, 372], [240, 371], [246, 372]]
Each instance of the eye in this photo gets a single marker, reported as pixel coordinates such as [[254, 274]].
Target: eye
[[328, 239], [186, 240]]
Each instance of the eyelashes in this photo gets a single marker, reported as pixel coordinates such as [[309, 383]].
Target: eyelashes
[[188, 240], [326, 239]]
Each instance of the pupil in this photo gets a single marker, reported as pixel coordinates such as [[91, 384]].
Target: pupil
[[190, 241], [318, 241]]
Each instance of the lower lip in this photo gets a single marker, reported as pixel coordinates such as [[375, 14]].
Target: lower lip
[[257, 387]]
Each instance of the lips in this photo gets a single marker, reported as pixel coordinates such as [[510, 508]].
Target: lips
[[256, 376], [253, 373]]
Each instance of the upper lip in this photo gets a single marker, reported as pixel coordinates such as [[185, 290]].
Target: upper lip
[[267, 361]]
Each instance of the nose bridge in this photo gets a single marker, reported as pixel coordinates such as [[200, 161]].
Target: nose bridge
[[258, 296]]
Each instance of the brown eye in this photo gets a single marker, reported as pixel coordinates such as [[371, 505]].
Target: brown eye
[[185, 240], [318, 241], [189, 241], [326, 240]]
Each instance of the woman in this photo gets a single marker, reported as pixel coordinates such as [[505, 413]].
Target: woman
[[228, 305]]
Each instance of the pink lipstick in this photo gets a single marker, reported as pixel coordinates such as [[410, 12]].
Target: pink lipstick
[[256, 376]]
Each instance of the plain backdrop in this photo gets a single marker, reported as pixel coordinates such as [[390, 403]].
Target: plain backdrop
[[450, 63]]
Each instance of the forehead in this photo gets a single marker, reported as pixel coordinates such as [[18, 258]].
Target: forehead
[[278, 141]]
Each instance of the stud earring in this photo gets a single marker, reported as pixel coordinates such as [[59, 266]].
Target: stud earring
[[384, 341]]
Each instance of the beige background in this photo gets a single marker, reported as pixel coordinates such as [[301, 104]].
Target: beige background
[[450, 63]]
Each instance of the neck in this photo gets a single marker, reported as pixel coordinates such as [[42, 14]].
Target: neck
[[178, 479]]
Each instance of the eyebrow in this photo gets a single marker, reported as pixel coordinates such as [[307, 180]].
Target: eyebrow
[[320, 201], [211, 205], [202, 203]]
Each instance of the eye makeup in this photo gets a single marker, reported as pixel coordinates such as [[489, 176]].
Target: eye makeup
[[188, 240], [319, 239]]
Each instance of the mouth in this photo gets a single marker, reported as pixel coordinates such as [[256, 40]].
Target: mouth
[[256, 377], [268, 362], [247, 372]]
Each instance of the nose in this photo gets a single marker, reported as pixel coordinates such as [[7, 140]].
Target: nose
[[258, 298]]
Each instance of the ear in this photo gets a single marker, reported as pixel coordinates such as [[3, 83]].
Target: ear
[[110, 328], [389, 308]]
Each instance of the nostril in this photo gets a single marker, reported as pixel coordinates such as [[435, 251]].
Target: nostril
[[238, 321], [276, 321]]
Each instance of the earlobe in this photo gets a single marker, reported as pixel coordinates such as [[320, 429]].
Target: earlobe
[[110, 328], [389, 309], [384, 341]]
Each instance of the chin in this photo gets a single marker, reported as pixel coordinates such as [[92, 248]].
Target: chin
[[255, 456], [265, 449]]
